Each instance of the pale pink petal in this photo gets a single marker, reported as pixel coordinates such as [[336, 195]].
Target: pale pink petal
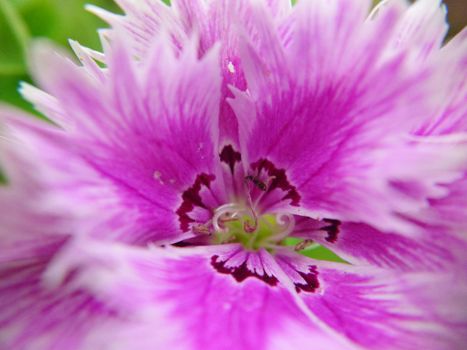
[[226, 297], [29, 212], [142, 22], [216, 297], [382, 309], [43, 309], [422, 28], [450, 115]]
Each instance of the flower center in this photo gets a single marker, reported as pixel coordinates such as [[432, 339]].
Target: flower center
[[234, 223]]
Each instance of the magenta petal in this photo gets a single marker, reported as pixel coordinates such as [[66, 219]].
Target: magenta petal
[[220, 21], [322, 110], [336, 116], [44, 148], [129, 132]]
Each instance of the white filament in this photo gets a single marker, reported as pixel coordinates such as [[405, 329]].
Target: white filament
[[287, 221], [230, 209]]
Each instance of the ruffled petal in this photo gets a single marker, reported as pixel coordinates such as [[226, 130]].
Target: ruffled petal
[[218, 21], [381, 309], [39, 150], [45, 307], [129, 133], [450, 115], [214, 297], [336, 116], [31, 220], [144, 20], [422, 28], [225, 297], [437, 249]]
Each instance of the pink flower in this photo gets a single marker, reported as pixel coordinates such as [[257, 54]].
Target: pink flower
[[159, 213]]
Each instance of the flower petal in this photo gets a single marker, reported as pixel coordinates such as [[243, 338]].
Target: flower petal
[[215, 21], [381, 309], [44, 147], [437, 249], [450, 116], [80, 312], [130, 131], [225, 297], [336, 116], [216, 297], [29, 210], [421, 29]]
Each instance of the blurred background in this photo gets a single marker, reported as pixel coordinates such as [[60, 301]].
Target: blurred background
[[23, 20]]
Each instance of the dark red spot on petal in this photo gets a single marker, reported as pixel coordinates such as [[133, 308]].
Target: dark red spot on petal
[[230, 156], [311, 281], [278, 180], [191, 198], [332, 229], [241, 273]]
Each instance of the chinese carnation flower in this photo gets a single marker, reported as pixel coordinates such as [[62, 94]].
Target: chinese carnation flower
[[161, 210]]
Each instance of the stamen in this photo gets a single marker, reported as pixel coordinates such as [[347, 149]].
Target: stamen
[[257, 182], [240, 223], [248, 226], [306, 244], [225, 213], [288, 223], [202, 229]]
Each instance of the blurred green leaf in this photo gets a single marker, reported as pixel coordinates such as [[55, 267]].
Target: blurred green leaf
[[9, 91], [14, 37], [60, 20]]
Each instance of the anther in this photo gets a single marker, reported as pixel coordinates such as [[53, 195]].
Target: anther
[[249, 227], [202, 229], [257, 182]]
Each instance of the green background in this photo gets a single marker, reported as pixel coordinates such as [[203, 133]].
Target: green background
[[23, 20]]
